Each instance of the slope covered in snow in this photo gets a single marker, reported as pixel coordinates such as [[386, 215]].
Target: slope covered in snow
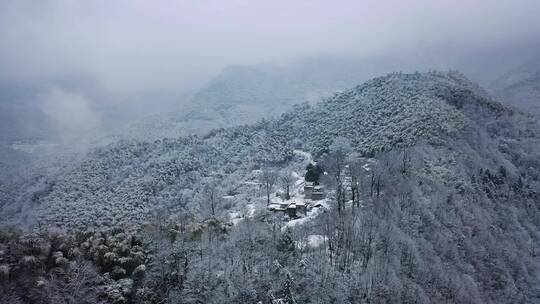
[[244, 94], [126, 181], [449, 210]]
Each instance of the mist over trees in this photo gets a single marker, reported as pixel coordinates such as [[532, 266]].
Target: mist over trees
[[193, 152]]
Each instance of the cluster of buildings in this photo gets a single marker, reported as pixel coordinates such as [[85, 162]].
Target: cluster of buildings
[[298, 206]]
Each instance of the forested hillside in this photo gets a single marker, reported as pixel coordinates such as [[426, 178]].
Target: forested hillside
[[131, 178], [244, 94], [446, 211]]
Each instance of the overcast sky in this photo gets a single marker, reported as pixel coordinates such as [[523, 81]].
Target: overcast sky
[[152, 45], [75, 66]]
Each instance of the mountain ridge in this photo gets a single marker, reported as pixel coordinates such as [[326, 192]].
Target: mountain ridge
[[520, 87], [447, 206], [402, 108]]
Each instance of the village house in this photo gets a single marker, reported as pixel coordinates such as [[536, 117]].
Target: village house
[[317, 193], [293, 209], [308, 189]]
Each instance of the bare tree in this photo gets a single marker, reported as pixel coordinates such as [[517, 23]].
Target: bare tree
[[357, 172], [286, 180], [210, 196], [381, 170], [406, 160], [268, 179], [78, 285], [334, 162]]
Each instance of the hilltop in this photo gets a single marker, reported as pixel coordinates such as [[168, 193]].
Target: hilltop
[[125, 181], [244, 94]]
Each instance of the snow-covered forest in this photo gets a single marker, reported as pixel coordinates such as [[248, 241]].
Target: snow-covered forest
[[192, 152], [431, 196]]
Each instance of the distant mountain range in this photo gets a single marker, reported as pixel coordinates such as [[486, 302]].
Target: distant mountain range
[[521, 87], [243, 94]]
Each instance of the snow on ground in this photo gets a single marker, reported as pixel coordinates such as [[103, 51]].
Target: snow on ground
[[368, 163], [310, 215], [250, 210], [235, 217], [276, 202], [313, 241], [31, 147], [252, 183], [316, 240], [306, 155]]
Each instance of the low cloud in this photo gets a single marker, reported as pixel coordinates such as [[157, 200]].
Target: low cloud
[[135, 53], [137, 45], [71, 115]]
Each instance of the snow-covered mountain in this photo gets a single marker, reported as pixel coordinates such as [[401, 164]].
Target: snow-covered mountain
[[244, 94], [521, 87], [447, 207], [133, 177]]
